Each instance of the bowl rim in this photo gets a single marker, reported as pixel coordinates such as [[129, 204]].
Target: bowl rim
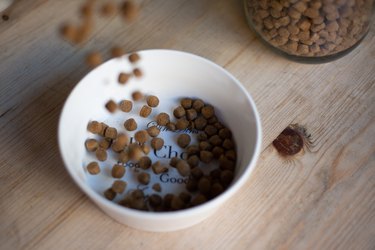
[[211, 204]]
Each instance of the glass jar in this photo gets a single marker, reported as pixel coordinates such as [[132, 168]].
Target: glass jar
[[310, 30]]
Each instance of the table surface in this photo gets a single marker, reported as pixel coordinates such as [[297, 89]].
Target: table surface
[[321, 199]]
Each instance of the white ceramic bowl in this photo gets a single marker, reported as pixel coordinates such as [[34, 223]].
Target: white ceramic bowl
[[170, 75]]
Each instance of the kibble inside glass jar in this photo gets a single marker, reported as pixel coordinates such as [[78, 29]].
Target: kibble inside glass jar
[[310, 30]]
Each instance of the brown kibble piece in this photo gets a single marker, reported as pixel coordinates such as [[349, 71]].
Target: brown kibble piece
[[123, 157], [119, 186], [134, 57], [93, 168], [198, 104], [94, 127], [183, 140], [135, 152], [182, 124], [110, 133], [206, 156], [129, 11], [162, 119], [217, 151], [94, 59], [91, 145], [185, 197], [109, 194], [104, 128], [215, 140], [215, 174], [126, 106], [199, 199], [118, 171], [105, 143], [200, 123], [226, 164], [156, 187], [101, 154], [145, 111], [173, 162], [137, 72], [153, 131], [204, 185], [130, 124], [216, 189], [137, 96], [231, 155], [210, 130], [186, 103], [143, 178], [196, 173], [157, 168], [225, 133], [226, 177], [177, 203], [183, 168], [179, 112], [193, 161], [119, 144], [191, 114], [171, 126], [68, 32], [117, 51], [208, 111], [202, 136], [146, 148], [157, 143], [108, 9], [155, 200], [123, 77], [141, 136], [205, 145], [145, 162], [152, 101], [192, 185], [228, 144], [192, 150]]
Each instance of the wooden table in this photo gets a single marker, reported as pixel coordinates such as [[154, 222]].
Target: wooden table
[[323, 199]]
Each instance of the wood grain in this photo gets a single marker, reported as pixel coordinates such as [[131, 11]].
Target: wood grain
[[322, 199]]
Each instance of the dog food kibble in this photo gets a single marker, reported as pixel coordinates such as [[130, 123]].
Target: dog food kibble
[[130, 124], [198, 104], [217, 151], [310, 28], [145, 148], [156, 187], [208, 112], [119, 186], [144, 178], [205, 145], [202, 137], [171, 126], [152, 101], [91, 145], [117, 51], [157, 143], [196, 173], [137, 72], [158, 168], [162, 119], [183, 168], [206, 156], [145, 162], [123, 157], [226, 177], [110, 194], [192, 150], [179, 112], [216, 189], [101, 154], [173, 162], [110, 133], [94, 59], [141, 136], [204, 185], [111, 106], [126, 106], [200, 123], [93, 168], [183, 140], [135, 152], [215, 140], [186, 103], [105, 143], [231, 155], [133, 58], [123, 77], [191, 114], [119, 144], [185, 197], [155, 200], [193, 161], [129, 11], [226, 164], [137, 96], [118, 171], [153, 131], [210, 130], [228, 144], [225, 133], [177, 203], [94, 127], [182, 124], [145, 111], [199, 199], [108, 9]]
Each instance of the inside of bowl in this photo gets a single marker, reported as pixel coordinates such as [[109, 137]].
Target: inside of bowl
[[170, 76]]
